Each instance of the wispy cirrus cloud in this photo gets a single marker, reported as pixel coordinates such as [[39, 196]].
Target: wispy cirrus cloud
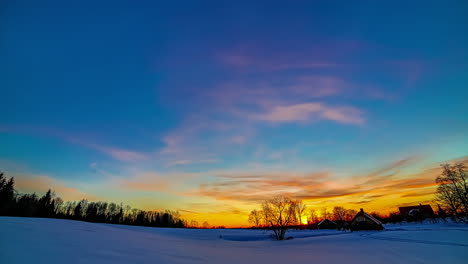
[[192, 161], [311, 112], [296, 87], [180, 162], [117, 153], [202, 140], [261, 92], [323, 186], [231, 112], [266, 57]]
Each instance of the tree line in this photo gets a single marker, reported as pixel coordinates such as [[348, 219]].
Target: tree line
[[50, 206]]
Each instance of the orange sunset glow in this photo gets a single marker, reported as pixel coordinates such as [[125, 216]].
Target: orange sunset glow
[[204, 111]]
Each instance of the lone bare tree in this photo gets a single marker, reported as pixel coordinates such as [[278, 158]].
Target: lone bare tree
[[452, 191], [281, 213], [255, 218]]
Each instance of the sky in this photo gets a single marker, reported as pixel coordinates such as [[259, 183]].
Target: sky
[[210, 107]]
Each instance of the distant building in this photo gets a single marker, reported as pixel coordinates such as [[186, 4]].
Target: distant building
[[327, 224], [420, 211], [364, 221]]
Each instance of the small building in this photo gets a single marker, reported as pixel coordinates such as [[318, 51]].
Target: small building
[[420, 211], [364, 221], [327, 224]]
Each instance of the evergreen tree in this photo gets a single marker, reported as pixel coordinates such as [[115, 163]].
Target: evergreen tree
[[2, 181], [77, 211], [7, 196], [46, 206]]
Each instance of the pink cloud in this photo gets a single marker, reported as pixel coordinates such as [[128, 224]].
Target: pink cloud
[[238, 139], [317, 86], [191, 161], [114, 152], [238, 96], [180, 162], [345, 115], [299, 112], [258, 57], [121, 154], [309, 112]]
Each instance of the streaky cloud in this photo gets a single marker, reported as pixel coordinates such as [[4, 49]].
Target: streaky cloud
[[309, 112]]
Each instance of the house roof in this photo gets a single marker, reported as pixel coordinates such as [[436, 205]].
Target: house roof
[[326, 221], [373, 219], [370, 217], [423, 208]]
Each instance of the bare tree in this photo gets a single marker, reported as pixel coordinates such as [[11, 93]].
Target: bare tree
[[281, 213], [206, 225], [339, 213], [300, 210], [325, 213], [194, 224], [265, 218], [452, 191], [349, 214], [255, 218], [313, 218]]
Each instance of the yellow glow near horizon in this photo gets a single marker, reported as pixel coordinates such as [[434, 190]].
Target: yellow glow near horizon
[[383, 206], [230, 206]]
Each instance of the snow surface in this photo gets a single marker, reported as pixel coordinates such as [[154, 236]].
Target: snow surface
[[35, 240]]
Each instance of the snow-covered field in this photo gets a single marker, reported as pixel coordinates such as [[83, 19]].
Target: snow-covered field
[[34, 240]]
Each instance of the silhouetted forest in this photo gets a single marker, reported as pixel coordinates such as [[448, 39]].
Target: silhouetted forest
[[30, 205]]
